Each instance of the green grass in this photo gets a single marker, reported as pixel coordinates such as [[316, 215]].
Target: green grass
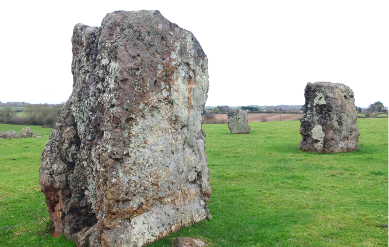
[[362, 115], [15, 108], [266, 192], [23, 216]]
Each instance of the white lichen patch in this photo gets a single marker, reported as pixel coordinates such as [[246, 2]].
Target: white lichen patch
[[320, 99], [165, 93], [317, 133]]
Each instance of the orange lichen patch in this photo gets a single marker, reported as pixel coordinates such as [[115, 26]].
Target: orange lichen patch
[[190, 83], [54, 207]]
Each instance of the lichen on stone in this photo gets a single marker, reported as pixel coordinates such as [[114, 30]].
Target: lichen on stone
[[126, 163], [238, 122], [328, 124]]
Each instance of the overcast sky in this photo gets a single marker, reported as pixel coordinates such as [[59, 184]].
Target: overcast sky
[[259, 52]]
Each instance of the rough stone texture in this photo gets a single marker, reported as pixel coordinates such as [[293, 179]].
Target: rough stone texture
[[187, 242], [329, 123], [238, 122], [11, 134], [26, 132], [126, 163], [2, 135]]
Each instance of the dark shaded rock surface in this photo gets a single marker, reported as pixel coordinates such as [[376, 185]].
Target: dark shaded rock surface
[[187, 242], [238, 122], [329, 123], [26, 132], [126, 163]]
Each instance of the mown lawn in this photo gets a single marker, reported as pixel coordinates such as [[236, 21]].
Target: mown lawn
[[266, 192]]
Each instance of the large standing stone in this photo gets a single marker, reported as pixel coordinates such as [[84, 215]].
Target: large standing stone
[[126, 163], [329, 123], [238, 122], [26, 132]]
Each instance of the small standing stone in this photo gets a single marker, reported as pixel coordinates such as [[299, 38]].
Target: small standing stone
[[187, 242], [2, 135], [26, 132], [11, 134], [238, 122], [329, 123]]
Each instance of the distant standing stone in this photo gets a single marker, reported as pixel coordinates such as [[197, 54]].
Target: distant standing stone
[[26, 132], [2, 135], [187, 242], [11, 134], [329, 123], [238, 122]]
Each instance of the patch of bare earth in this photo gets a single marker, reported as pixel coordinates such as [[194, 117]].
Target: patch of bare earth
[[264, 117]]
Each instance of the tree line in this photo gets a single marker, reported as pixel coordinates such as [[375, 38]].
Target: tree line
[[33, 114]]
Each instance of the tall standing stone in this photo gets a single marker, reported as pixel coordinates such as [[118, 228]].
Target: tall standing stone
[[329, 122], [238, 122], [126, 163]]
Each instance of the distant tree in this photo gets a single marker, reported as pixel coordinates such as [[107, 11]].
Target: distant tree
[[359, 109], [34, 114], [58, 108], [44, 109], [250, 108], [225, 109], [372, 108], [217, 110], [379, 106], [7, 112]]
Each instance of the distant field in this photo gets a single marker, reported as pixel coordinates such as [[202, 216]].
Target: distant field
[[265, 191], [14, 108], [264, 117]]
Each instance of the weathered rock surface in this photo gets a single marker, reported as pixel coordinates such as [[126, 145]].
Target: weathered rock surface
[[187, 242], [329, 123], [126, 163], [11, 134], [238, 122], [2, 135], [26, 132]]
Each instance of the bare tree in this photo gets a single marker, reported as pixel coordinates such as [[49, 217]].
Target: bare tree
[[34, 114], [58, 108], [7, 112]]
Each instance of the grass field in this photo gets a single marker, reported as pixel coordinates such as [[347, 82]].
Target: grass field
[[266, 192], [22, 108]]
